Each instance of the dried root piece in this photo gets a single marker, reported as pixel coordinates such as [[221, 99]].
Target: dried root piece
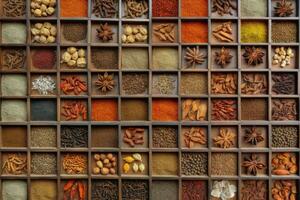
[[193, 136], [164, 32], [223, 7], [104, 8], [223, 32], [135, 8]]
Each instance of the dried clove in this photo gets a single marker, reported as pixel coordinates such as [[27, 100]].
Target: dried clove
[[105, 8], [74, 137], [284, 109], [283, 83], [223, 32]]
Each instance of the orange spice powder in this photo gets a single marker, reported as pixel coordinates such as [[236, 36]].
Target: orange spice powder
[[104, 110], [73, 8], [194, 32], [194, 8], [164, 110]]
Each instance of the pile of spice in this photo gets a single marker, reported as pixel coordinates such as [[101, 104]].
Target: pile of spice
[[254, 83], [194, 110], [44, 59], [75, 189], [164, 84], [224, 32], [43, 137], [43, 110], [225, 138], [224, 164], [164, 137], [14, 59], [284, 164], [133, 163], [74, 57], [284, 83], [134, 136], [165, 58], [135, 189], [194, 8], [73, 8], [254, 32], [194, 57], [162, 189], [43, 189], [73, 85], [284, 32], [282, 56], [134, 34], [194, 32], [284, 109], [194, 136], [105, 32], [224, 109], [44, 85], [106, 58], [104, 136], [165, 8], [105, 8], [104, 110], [194, 164], [165, 164], [105, 83], [224, 7], [134, 83], [43, 33], [13, 85], [135, 8], [284, 189], [15, 164], [165, 32], [193, 84], [254, 8], [135, 58], [43, 163], [134, 109], [224, 83], [259, 113], [13, 110], [285, 136], [74, 163], [43, 8], [14, 136], [74, 110], [164, 110], [253, 189], [194, 188], [105, 189], [14, 8], [74, 137], [74, 32], [13, 33], [105, 164]]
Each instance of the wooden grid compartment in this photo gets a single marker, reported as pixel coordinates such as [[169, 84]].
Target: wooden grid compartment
[[115, 128]]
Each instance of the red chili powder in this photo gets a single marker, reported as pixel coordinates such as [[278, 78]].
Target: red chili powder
[[104, 110], [194, 8], [165, 8], [194, 32], [44, 59], [73, 8], [164, 110]]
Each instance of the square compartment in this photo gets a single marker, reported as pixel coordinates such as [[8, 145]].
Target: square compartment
[[9, 30], [13, 85], [224, 137], [130, 172], [14, 163], [261, 63], [189, 63], [104, 58], [285, 164], [194, 31], [43, 59], [67, 106], [13, 110], [43, 137], [228, 105], [285, 136], [135, 83], [43, 33], [104, 89], [66, 169], [104, 188], [194, 137], [254, 8], [284, 83], [231, 54], [128, 191], [197, 188], [43, 163], [217, 9], [284, 109], [165, 8], [253, 83], [165, 164], [104, 28], [43, 189], [67, 67], [96, 13], [224, 164], [254, 31], [254, 137], [224, 31], [164, 109], [224, 83], [134, 33], [74, 137], [73, 9], [260, 158], [64, 182], [164, 84], [193, 83], [70, 80], [143, 12], [9, 188], [194, 164], [136, 58], [165, 58], [104, 164], [104, 109], [7, 9], [164, 32], [13, 136], [43, 110], [259, 113], [104, 137], [294, 6], [194, 8], [134, 137], [134, 109], [164, 137], [284, 31], [291, 57], [164, 189], [43, 85], [18, 53], [194, 109]]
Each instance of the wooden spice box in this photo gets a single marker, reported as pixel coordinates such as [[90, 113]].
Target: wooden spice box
[[89, 74]]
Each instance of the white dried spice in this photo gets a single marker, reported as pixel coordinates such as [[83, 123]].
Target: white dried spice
[[137, 156], [223, 190], [44, 85]]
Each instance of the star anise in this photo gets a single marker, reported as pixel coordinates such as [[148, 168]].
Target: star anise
[[223, 57], [253, 136], [252, 164], [253, 56], [193, 56], [105, 82], [105, 32], [283, 9], [225, 139]]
